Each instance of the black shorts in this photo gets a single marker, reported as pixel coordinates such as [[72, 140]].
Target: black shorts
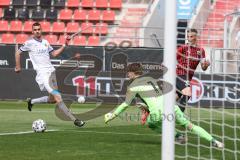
[[181, 83]]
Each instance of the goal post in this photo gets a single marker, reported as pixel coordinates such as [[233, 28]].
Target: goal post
[[168, 125]]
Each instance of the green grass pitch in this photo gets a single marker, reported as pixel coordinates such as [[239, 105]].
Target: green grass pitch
[[124, 138]]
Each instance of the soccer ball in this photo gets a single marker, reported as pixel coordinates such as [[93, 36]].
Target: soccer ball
[[39, 125], [81, 99]]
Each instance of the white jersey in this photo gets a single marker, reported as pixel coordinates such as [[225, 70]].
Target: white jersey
[[39, 53]]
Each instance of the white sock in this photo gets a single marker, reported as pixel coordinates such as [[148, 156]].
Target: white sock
[[40, 100], [66, 111]]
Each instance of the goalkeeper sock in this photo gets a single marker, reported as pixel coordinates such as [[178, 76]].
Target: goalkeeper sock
[[201, 132], [66, 111], [40, 100]]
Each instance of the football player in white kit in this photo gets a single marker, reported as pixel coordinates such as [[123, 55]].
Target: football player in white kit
[[39, 51]]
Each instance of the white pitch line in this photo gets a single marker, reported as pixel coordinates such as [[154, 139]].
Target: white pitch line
[[116, 133], [18, 110], [24, 132]]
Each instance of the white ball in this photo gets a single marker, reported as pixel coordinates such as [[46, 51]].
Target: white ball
[[81, 99], [39, 125]]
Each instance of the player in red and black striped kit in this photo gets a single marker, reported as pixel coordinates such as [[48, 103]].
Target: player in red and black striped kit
[[188, 57]]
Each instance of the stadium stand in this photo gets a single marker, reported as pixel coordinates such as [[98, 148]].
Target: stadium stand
[[8, 38], [80, 15], [215, 22], [15, 26], [93, 17], [23, 14], [21, 38]]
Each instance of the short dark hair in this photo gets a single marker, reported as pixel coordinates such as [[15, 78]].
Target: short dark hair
[[136, 68], [36, 24], [192, 30]]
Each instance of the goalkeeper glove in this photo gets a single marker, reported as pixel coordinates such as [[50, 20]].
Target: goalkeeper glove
[[109, 116]]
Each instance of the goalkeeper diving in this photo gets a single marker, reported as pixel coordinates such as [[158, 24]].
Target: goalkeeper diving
[[147, 89]]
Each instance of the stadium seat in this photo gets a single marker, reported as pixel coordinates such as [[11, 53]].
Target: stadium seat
[[27, 27], [21, 38], [59, 3], [93, 41], [8, 38], [72, 27], [62, 39], [101, 3], [52, 39], [9, 13], [73, 3], [4, 26], [87, 3], [101, 28], [46, 27], [65, 14], [58, 27], [15, 26], [80, 15], [87, 28], [115, 4], [4, 3], [17, 3], [79, 40], [23, 14], [45, 3], [94, 15], [38, 15], [32, 3], [108, 16], [51, 15], [1, 13]]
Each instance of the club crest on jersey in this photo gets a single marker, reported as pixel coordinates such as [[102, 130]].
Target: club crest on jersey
[[199, 52]]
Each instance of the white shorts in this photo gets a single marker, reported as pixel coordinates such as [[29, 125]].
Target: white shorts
[[47, 81]]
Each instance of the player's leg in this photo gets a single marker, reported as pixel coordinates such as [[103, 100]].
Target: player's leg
[[145, 112], [55, 97], [181, 98], [182, 120]]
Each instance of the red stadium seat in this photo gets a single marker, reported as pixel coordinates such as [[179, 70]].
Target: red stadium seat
[[46, 27], [65, 14], [27, 27], [72, 27], [87, 28], [73, 3], [52, 39], [101, 3], [1, 13], [87, 3], [4, 3], [80, 15], [101, 28], [115, 4], [108, 16], [94, 15], [79, 40], [8, 38], [21, 38], [4, 26], [62, 39], [58, 27], [93, 41], [15, 26]]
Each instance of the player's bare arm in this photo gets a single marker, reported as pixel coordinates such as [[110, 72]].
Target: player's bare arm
[[205, 64], [17, 61], [60, 50]]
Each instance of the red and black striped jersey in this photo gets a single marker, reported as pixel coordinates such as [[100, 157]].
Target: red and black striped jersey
[[188, 58]]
